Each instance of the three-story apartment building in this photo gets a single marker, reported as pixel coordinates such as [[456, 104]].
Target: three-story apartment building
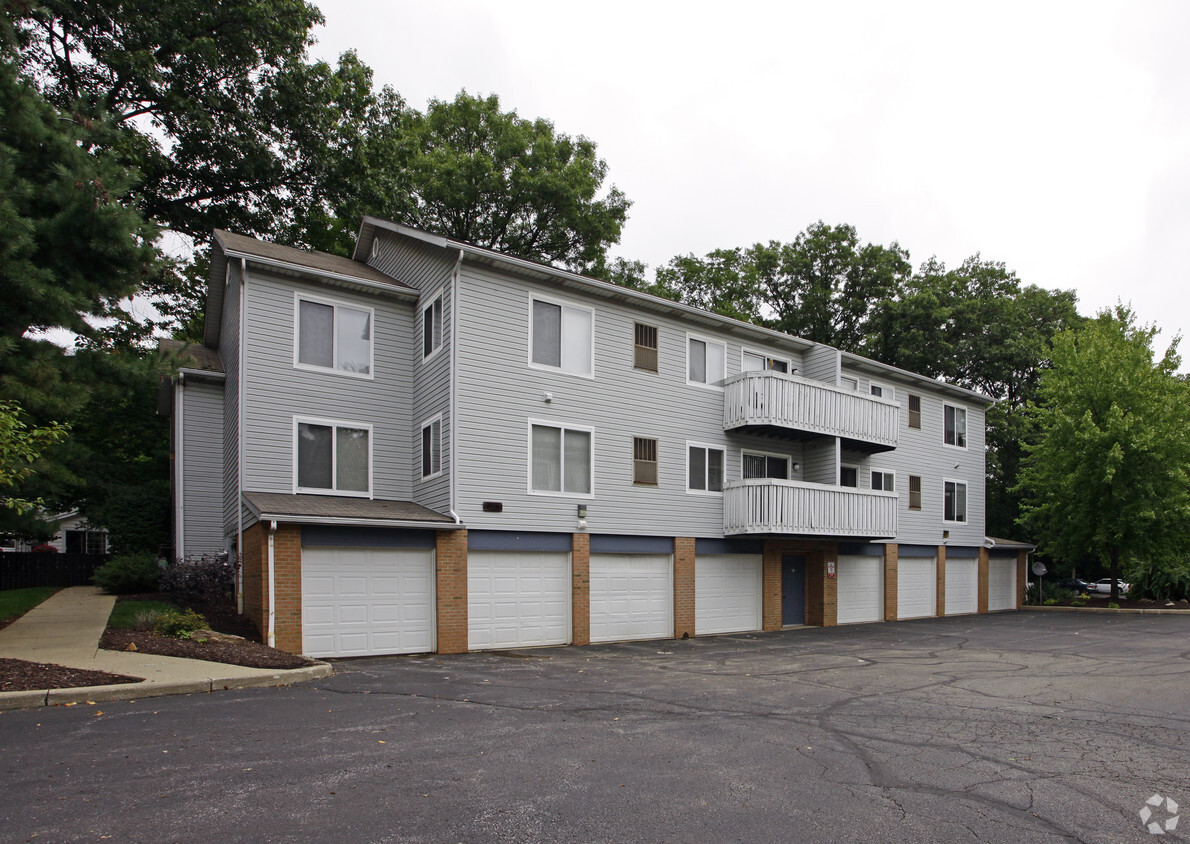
[[437, 447]]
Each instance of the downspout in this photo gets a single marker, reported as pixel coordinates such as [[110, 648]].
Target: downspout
[[272, 637], [179, 470], [242, 369], [454, 385]]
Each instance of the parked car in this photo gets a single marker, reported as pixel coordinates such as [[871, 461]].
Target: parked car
[[1103, 586], [1074, 584]]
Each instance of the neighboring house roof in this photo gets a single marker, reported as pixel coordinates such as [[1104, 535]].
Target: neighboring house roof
[[336, 510], [193, 356], [372, 225], [1007, 544]]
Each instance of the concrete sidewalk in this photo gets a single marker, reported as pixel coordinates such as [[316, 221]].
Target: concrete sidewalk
[[65, 630]]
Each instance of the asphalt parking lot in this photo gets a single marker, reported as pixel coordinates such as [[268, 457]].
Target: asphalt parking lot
[[1013, 727]]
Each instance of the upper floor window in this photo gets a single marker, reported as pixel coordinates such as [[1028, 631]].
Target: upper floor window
[[704, 466], [644, 347], [644, 461], [915, 492], [755, 361], [915, 411], [954, 426], [431, 448], [431, 338], [880, 390], [758, 465], [333, 336], [954, 498], [849, 476], [882, 480], [705, 361], [562, 337], [333, 457], [561, 459]]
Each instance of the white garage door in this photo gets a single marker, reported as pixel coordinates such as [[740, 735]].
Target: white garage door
[[860, 589], [631, 597], [1001, 585], [365, 601], [917, 587], [962, 586], [727, 593], [517, 599]]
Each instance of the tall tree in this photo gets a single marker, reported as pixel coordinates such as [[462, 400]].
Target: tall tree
[[1108, 477]]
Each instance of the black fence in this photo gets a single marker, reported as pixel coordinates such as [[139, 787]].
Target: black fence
[[22, 570]]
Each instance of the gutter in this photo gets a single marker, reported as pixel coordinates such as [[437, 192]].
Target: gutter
[[242, 371], [454, 387], [179, 470], [272, 636], [357, 522]]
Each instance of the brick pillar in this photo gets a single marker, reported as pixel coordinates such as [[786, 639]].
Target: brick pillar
[[890, 581], [580, 589], [830, 586], [287, 572], [940, 590], [451, 590], [683, 587], [983, 580], [1022, 577], [255, 565], [771, 587]]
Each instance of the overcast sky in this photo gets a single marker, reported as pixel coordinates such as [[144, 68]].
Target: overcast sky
[[1054, 137]]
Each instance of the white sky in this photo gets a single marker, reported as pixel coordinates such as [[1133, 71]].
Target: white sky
[[1054, 137]]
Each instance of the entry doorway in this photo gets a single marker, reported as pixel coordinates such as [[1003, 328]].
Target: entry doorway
[[793, 589]]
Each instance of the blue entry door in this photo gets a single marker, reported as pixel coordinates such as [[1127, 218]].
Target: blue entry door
[[793, 589]]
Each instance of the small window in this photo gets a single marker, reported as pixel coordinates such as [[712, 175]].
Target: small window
[[431, 448], [644, 350], [876, 390], [705, 361], [755, 361], [333, 458], [882, 480], [915, 492], [705, 466], [431, 328], [334, 337], [561, 337], [849, 476], [766, 466], [644, 461], [561, 459], [915, 412], [955, 426], [954, 501]]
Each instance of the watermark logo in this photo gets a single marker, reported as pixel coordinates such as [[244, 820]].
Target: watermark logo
[[1153, 808]]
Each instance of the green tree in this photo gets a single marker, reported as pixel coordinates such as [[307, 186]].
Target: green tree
[[1107, 477], [20, 447]]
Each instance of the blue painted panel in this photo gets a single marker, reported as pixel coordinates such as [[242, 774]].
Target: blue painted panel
[[952, 551], [861, 549], [344, 536], [917, 551], [606, 543], [728, 546], [504, 540], [1002, 555]]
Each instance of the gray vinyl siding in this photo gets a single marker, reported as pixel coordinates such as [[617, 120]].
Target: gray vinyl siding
[[821, 465], [821, 363], [229, 356], [278, 391], [431, 398], [411, 261], [202, 456]]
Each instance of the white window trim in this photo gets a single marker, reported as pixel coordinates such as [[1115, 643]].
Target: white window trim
[[757, 453], [563, 426], [858, 475], [707, 385], [564, 304], [896, 486], [966, 500], [334, 423], [886, 392], [421, 439], [298, 298], [945, 444], [710, 446], [789, 370], [438, 298]]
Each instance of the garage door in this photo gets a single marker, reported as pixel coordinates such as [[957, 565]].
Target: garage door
[[917, 587], [860, 589], [517, 599], [962, 586], [365, 601], [1001, 585], [726, 593], [631, 597]]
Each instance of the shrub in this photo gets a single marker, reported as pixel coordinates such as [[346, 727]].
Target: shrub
[[128, 574], [204, 579], [1080, 600], [179, 624], [1159, 579], [145, 619], [1113, 606], [1058, 595]]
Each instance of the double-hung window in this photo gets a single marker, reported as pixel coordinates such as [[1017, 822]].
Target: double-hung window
[[882, 480], [561, 337], [705, 361], [757, 465], [644, 346], [915, 412], [431, 338], [954, 499], [431, 448], [333, 457], [560, 458], [954, 426], [915, 492], [333, 336], [704, 468]]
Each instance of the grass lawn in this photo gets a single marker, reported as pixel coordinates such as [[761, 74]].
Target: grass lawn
[[125, 612], [16, 602]]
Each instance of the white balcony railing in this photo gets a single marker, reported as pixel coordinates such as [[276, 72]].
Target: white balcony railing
[[764, 505], [790, 401]]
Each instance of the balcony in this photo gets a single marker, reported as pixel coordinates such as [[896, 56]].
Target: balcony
[[788, 405], [764, 505]]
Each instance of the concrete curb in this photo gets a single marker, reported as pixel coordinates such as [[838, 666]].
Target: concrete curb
[[1123, 610], [136, 691]]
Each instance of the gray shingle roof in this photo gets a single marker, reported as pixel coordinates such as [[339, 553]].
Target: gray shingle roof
[[297, 508], [318, 262], [193, 355]]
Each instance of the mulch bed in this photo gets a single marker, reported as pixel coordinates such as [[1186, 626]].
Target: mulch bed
[[17, 675], [1127, 604]]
